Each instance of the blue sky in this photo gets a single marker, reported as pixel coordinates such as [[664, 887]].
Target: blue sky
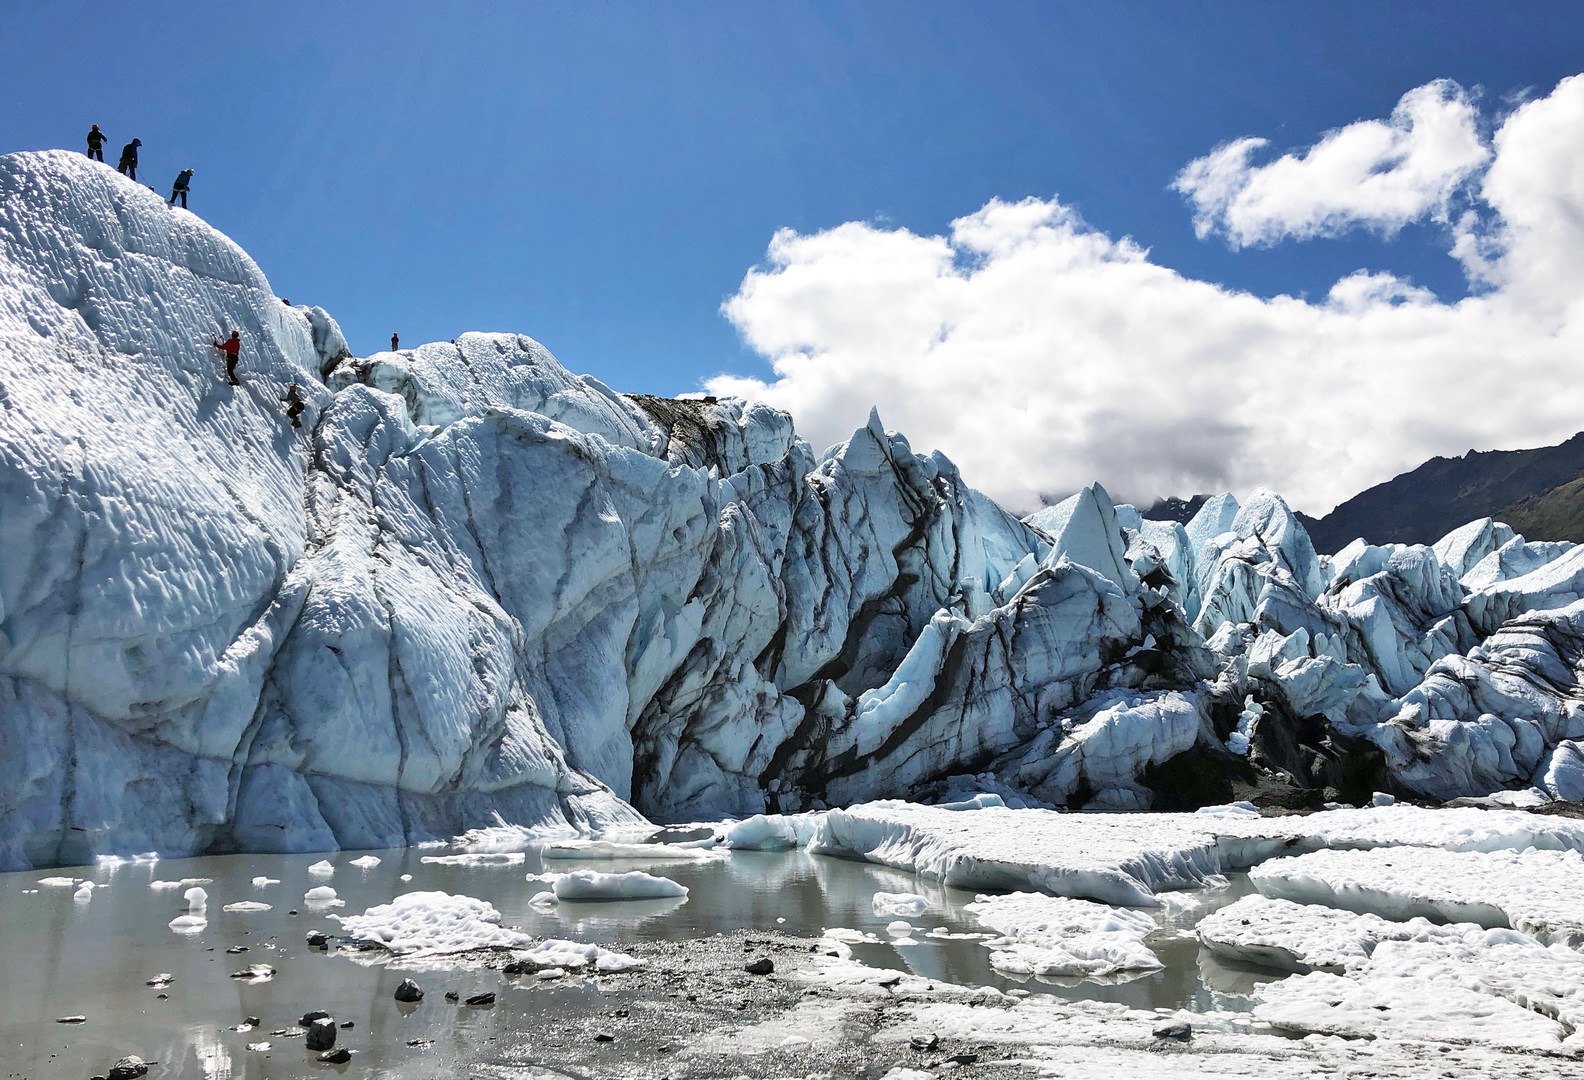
[[602, 175]]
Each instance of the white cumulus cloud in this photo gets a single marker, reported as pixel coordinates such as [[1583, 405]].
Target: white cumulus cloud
[[1040, 354], [1378, 174]]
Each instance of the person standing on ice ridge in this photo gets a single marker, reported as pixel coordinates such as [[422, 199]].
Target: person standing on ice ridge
[[294, 405], [232, 348], [127, 166], [183, 178], [96, 140], [395, 343]]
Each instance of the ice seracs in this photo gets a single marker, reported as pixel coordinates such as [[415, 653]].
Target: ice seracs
[[385, 627]]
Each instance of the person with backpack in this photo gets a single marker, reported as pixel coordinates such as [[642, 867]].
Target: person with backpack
[[127, 166], [232, 348], [96, 140], [294, 405], [179, 189]]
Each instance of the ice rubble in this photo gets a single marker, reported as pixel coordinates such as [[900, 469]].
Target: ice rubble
[[1060, 937], [478, 589]]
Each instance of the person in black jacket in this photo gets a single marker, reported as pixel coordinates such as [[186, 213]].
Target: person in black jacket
[[96, 140], [294, 405], [179, 188], [127, 166]]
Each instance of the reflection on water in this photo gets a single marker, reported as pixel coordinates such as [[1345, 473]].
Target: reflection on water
[[64, 951]]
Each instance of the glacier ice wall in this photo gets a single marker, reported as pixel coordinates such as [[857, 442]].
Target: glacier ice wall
[[476, 587]]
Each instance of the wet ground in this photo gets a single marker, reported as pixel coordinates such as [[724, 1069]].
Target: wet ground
[[64, 956]]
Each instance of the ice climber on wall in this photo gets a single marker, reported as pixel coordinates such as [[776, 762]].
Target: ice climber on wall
[[232, 348], [127, 166], [179, 188], [96, 140], [294, 405]]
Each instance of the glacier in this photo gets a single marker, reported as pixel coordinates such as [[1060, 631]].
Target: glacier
[[476, 589]]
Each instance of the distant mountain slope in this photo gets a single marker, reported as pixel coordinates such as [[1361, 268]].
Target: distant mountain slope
[[1539, 492], [1175, 509]]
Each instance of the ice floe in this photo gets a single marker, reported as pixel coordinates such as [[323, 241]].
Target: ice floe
[[633, 885], [1061, 937]]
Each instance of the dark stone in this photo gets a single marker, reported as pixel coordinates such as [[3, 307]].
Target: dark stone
[[253, 1021], [309, 1017], [293, 911], [339, 1056], [347, 1025], [521, 967], [321, 1034], [963, 1059], [604, 1036], [318, 939], [487, 998], [762, 966], [1179, 1030], [409, 991], [128, 1068], [71, 1019], [924, 1042], [233, 950], [453, 996]]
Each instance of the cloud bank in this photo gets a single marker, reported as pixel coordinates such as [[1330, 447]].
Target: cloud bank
[[1040, 354]]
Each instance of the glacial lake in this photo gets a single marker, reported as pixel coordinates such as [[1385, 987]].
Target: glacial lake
[[62, 956]]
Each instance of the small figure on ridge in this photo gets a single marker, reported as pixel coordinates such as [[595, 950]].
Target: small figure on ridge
[[127, 166], [395, 343], [232, 348], [179, 188], [294, 405], [96, 140]]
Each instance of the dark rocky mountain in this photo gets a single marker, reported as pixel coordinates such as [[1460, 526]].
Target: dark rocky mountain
[[1539, 492], [1175, 509]]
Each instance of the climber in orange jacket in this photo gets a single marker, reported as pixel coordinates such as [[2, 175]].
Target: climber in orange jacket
[[232, 348]]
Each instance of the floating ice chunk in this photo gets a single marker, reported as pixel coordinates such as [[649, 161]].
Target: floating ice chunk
[[433, 922], [634, 885], [196, 918], [771, 832], [247, 906], [611, 849], [164, 886], [1540, 893], [1122, 858], [477, 858], [321, 897], [366, 862], [908, 905], [1060, 937], [262, 882], [322, 868], [543, 901], [848, 936], [84, 892], [899, 928], [406, 877], [59, 882]]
